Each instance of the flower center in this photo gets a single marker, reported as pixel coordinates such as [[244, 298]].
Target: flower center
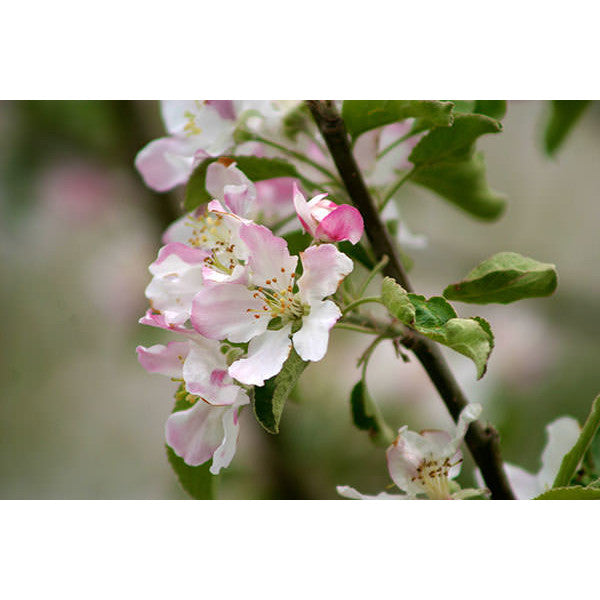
[[432, 477], [191, 127], [279, 299], [211, 233]]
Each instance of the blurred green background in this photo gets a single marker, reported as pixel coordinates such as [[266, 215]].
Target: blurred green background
[[79, 418]]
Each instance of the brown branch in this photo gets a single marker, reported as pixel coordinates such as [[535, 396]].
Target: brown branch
[[483, 442]]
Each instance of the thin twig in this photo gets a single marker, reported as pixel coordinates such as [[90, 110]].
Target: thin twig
[[483, 442]]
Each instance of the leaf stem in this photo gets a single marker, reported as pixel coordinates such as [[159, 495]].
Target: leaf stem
[[366, 355], [483, 441], [297, 155], [571, 460], [360, 301], [390, 193], [353, 327], [384, 261], [395, 143]]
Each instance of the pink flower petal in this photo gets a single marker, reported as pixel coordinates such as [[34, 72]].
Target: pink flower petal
[[303, 211], [196, 433], [159, 320], [184, 253], [344, 223], [229, 311], [224, 108], [165, 163], [229, 185], [274, 197], [205, 375], [166, 360]]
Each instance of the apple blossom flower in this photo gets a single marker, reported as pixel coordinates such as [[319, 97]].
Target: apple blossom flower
[[203, 432], [215, 230], [177, 277], [327, 221], [227, 184], [196, 130], [199, 129], [424, 464], [209, 428], [561, 437], [266, 311]]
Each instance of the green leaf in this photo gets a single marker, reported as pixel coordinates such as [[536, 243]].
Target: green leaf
[[297, 241], [358, 253], [446, 163], [492, 108], [570, 493], [594, 454], [571, 460], [503, 278], [437, 320], [198, 482], [270, 399], [463, 184], [563, 116], [395, 299], [257, 168], [364, 115], [463, 106], [254, 167], [366, 416], [453, 143], [195, 190]]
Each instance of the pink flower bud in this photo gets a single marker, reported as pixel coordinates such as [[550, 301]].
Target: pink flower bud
[[327, 221]]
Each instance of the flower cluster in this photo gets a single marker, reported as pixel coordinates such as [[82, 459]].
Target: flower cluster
[[232, 293]]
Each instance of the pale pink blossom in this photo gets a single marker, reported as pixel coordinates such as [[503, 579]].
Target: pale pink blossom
[[327, 221], [209, 428], [177, 277], [271, 311], [423, 464], [196, 130], [199, 129]]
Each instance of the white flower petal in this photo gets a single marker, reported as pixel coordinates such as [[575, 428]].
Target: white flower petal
[[349, 492], [525, 485], [269, 256], [324, 268], [221, 178], [224, 454], [404, 457], [468, 414], [266, 355], [174, 112], [313, 337], [562, 435], [205, 373]]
